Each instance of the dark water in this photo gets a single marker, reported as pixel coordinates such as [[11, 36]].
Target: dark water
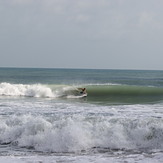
[[81, 76]]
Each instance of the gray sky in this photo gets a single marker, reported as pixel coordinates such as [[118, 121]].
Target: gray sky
[[111, 34]]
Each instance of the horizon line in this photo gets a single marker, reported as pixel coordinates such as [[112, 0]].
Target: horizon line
[[81, 68]]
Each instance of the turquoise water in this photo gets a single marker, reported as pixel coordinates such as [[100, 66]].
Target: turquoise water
[[43, 115]]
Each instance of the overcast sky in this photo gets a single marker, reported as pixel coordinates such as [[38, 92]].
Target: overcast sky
[[108, 34]]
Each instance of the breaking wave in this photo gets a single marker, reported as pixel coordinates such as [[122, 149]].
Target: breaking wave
[[78, 133], [37, 90], [96, 92]]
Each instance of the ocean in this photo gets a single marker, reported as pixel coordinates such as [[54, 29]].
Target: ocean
[[45, 119]]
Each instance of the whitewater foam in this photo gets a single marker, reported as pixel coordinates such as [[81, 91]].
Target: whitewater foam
[[36, 90], [39, 90], [138, 158], [75, 133]]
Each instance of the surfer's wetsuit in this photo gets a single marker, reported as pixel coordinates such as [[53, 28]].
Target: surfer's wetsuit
[[83, 91]]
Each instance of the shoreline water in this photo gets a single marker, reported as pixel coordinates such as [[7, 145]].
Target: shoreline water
[[120, 120]]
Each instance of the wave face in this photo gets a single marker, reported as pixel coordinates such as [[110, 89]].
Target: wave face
[[104, 93], [106, 90], [115, 94], [77, 133]]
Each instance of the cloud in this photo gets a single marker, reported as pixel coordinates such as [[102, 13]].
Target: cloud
[[96, 19], [20, 2], [148, 19], [85, 28]]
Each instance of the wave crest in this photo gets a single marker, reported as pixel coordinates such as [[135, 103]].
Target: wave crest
[[36, 90]]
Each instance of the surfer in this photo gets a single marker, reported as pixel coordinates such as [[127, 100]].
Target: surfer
[[82, 90]]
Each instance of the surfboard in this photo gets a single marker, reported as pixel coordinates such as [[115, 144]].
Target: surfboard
[[84, 95], [77, 96]]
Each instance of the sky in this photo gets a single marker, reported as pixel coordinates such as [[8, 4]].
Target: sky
[[96, 34]]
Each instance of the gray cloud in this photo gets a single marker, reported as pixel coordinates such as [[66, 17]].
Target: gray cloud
[[60, 33]]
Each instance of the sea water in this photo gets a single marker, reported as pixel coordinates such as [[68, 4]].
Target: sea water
[[44, 118]]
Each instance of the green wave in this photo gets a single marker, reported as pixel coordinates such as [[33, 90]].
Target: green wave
[[115, 94], [112, 94], [106, 90]]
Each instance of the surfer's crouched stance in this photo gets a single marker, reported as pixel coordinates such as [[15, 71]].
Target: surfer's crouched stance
[[82, 90]]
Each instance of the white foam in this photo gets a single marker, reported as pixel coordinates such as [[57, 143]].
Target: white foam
[[105, 158], [36, 132], [36, 90], [101, 84], [77, 133]]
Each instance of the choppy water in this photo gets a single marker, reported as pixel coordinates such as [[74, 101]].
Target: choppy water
[[44, 118]]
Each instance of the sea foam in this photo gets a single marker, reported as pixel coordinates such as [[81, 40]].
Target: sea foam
[[76, 133], [36, 90]]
